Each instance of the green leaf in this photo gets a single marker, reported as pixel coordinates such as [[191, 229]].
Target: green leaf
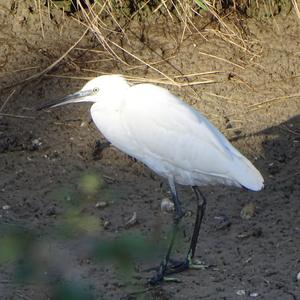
[[201, 4]]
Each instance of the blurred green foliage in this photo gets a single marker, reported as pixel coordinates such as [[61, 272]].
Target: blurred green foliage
[[126, 250], [34, 252], [91, 183], [14, 242], [68, 290]]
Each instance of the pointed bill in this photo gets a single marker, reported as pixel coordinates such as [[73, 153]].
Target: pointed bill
[[72, 98]]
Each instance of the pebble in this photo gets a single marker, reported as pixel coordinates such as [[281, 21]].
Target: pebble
[[6, 207], [298, 277], [241, 293], [248, 211], [36, 144], [253, 294], [222, 222], [132, 221], [106, 224], [166, 205], [101, 204]]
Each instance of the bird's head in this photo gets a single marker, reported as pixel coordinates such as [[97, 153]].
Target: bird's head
[[92, 91]]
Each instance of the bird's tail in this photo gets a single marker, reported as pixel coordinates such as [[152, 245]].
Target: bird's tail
[[246, 174]]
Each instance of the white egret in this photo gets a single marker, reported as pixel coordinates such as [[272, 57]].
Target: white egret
[[173, 139]]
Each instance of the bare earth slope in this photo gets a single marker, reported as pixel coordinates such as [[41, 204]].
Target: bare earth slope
[[49, 190]]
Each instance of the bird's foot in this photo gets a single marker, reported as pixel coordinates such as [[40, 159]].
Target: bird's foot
[[159, 277], [188, 263], [173, 267]]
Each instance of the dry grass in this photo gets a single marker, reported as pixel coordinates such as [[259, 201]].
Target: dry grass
[[110, 22], [117, 42]]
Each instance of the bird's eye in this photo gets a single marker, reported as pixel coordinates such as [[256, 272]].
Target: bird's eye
[[95, 90]]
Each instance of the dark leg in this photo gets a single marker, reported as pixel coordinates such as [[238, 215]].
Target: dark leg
[[201, 205], [188, 262], [178, 214]]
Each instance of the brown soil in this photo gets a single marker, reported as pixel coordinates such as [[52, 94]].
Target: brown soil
[[46, 158]]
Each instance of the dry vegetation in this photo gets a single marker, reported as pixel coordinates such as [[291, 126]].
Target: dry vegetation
[[131, 36], [229, 59]]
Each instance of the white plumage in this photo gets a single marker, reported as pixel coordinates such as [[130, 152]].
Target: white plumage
[[170, 137]]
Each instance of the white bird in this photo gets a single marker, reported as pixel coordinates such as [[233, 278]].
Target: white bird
[[173, 139]]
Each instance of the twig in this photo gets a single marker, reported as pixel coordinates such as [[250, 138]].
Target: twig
[[258, 105], [228, 99], [222, 59], [17, 116], [41, 18], [7, 99], [69, 77], [142, 61], [296, 8], [284, 127]]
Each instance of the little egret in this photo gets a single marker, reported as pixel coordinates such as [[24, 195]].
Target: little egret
[[173, 139]]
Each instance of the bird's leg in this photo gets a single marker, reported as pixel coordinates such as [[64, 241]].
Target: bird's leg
[[178, 214], [201, 205], [190, 262]]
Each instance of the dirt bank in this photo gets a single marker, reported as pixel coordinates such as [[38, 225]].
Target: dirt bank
[[52, 178]]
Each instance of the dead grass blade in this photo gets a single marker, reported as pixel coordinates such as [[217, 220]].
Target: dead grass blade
[[296, 8], [17, 116], [222, 59], [7, 99], [260, 105]]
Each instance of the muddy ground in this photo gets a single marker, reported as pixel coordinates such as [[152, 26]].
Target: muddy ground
[[63, 202]]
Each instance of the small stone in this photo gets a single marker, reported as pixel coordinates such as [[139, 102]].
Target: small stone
[[132, 221], [298, 277], [167, 205], [106, 224], [5, 207], [248, 211], [222, 222], [241, 293], [253, 294], [51, 211], [36, 144], [101, 204]]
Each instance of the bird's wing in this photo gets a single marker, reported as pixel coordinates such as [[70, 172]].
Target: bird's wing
[[161, 125]]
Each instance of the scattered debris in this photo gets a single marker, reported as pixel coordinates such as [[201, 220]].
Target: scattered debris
[[132, 221], [101, 204], [255, 232], [246, 293], [106, 224], [241, 293], [36, 144], [298, 277], [99, 148], [248, 211], [5, 207], [51, 211], [222, 222], [253, 294], [167, 205]]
